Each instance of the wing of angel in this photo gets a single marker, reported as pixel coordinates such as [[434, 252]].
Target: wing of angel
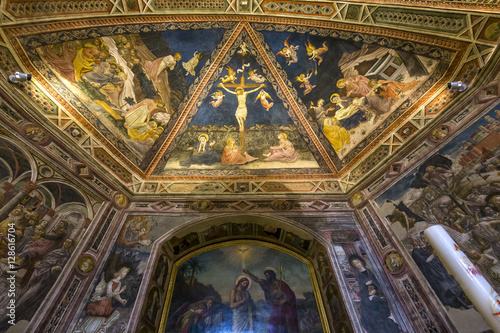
[[230, 71], [309, 47], [99, 289], [282, 54], [322, 49], [299, 78], [267, 96], [287, 44]]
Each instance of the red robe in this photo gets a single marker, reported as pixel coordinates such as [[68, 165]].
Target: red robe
[[283, 316], [102, 307]]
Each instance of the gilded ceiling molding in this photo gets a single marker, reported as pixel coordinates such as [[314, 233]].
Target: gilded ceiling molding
[[356, 164], [460, 4], [194, 97], [291, 100]]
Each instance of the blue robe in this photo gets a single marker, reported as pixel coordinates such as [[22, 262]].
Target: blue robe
[[207, 156]]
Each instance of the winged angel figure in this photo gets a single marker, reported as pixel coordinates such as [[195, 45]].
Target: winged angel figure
[[230, 77], [289, 52], [315, 54], [263, 96]]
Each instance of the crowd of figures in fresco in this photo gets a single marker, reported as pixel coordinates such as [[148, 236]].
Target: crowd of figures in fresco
[[458, 188], [38, 233], [40, 254], [135, 91], [136, 85], [375, 80]]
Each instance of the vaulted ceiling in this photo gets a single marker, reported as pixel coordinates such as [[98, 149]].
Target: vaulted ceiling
[[131, 88]]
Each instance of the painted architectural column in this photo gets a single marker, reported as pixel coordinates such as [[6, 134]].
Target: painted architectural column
[[17, 199], [485, 299]]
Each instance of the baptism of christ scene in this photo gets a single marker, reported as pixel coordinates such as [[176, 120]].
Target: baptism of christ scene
[[254, 289], [242, 124]]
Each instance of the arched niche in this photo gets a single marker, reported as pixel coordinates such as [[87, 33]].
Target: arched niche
[[298, 256], [22, 165]]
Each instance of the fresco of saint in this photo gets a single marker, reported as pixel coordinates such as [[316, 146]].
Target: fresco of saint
[[202, 153]]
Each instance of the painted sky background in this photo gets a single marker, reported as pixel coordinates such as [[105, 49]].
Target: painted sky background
[[225, 265]]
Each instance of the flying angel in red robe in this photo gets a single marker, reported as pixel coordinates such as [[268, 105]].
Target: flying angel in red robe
[[263, 96], [289, 52]]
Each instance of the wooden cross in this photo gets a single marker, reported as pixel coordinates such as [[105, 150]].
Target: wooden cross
[[243, 86]]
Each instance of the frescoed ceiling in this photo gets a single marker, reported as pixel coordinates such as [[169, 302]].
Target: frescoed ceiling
[[328, 93]]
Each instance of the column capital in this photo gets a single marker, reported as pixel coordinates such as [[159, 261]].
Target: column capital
[[29, 187], [51, 213]]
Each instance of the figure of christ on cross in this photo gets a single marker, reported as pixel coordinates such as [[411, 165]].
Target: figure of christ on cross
[[241, 110]]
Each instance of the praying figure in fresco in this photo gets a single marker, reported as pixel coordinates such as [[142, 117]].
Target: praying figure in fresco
[[243, 307], [318, 112], [284, 152], [282, 300], [156, 67], [202, 153], [232, 154], [375, 312], [101, 315], [156, 71]]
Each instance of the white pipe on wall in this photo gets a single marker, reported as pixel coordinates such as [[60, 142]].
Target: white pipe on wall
[[485, 299]]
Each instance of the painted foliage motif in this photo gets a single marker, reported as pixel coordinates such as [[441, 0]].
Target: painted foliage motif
[[458, 188], [254, 289]]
